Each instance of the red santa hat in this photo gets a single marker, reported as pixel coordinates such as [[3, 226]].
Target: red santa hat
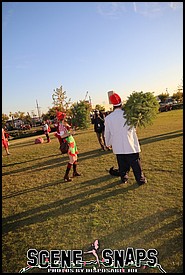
[[60, 115], [115, 99]]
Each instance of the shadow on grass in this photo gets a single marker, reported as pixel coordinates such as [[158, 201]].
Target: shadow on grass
[[61, 181], [169, 247], [28, 190], [31, 140], [92, 153], [159, 229], [147, 223], [165, 136], [57, 162], [30, 160], [23, 144], [66, 205], [49, 156], [37, 167]]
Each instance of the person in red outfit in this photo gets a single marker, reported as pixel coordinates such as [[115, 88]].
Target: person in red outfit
[[64, 135], [5, 141]]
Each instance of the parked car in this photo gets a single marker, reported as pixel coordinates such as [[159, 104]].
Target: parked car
[[167, 105]]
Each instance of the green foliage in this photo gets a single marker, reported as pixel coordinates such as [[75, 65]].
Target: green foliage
[[163, 96], [140, 109], [100, 108], [17, 134], [60, 100], [51, 114], [27, 119], [80, 113], [178, 96], [4, 119]]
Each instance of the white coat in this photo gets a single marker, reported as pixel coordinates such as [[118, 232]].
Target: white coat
[[122, 139], [45, 127]]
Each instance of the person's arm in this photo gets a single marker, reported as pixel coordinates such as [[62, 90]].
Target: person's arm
[[64, 134], [107, 134], [88, 252], [101, 119]]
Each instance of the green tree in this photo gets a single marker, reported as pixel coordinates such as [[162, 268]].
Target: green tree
[[60, 100], [178, 96], [163, 96], [12, 118], [21, 115], [4, 119], [80, 114], [27, 119], [51, 114], [16, 115], [10, 114], [140, 109], [100, 108]]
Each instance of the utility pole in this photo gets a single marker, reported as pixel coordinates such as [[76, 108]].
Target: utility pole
[[38, 109], [86, 96]]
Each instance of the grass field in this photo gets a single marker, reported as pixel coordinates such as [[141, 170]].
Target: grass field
[[40, 211]]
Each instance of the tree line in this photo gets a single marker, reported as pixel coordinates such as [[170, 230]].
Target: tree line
[[78, 112]]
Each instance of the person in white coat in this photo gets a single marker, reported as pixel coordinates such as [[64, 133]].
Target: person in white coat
[[124, 142]]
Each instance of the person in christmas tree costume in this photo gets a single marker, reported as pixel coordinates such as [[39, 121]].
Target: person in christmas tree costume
[[63, 132], [124, 141]]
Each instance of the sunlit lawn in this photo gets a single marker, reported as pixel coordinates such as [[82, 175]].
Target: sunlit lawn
[[40, 211]]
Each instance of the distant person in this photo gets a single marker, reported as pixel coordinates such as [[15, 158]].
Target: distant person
[[124, 142], [5, 143], [99, 129], [46, 129], [6, 134], [64, 134]]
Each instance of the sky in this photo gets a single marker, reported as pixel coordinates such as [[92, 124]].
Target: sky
[[89, 49]]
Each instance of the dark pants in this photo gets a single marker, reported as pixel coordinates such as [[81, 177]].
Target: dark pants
[[101, 139], [47, 136], [125, 161]]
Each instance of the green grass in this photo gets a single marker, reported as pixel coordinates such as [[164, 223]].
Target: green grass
[[40, 211]]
